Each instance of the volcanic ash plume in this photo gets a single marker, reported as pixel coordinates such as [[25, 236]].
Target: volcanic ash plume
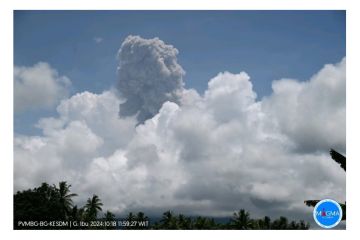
[[149, 75]]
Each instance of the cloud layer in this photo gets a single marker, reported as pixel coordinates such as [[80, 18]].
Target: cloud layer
[[208, 154], [38, 87], [313, 110]]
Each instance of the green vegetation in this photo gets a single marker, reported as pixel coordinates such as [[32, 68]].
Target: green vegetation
[[54, 205]]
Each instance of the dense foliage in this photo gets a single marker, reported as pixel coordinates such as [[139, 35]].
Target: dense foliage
[[54, 204]]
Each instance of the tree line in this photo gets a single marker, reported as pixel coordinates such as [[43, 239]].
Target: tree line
[[54, 203]]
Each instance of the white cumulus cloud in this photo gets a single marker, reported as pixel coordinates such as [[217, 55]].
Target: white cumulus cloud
[[312, 113], [207, 154], [38, 87]]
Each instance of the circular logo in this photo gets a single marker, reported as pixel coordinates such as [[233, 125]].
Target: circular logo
[[327, 213]]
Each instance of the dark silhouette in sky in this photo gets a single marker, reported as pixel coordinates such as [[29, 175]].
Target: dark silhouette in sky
[[340, 159]]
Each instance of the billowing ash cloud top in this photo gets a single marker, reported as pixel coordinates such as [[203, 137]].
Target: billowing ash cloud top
[[149, 75], [207, 154]]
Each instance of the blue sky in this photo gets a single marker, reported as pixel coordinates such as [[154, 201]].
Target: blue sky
[[268, 45], [224, 144]]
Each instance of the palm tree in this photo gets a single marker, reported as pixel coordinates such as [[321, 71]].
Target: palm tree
[[204, 223], [184, 222], [303, 225], [264, 223], [81, 214], [267, 222], [74, 213], [168, 221], [337, 157], [283, 222], [77, 214], [109, 216], [93, 205], [242, 220], [275, 224], [130, 217], [109, 219], [65, 200], [142, 221], [294, 225], [200, 223], [140, 216], [340, 159]]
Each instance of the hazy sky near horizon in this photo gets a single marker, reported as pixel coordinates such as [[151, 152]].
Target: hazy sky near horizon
[[203, 112]]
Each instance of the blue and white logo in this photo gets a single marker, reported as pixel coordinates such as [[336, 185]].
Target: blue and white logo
[[327, 213]]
